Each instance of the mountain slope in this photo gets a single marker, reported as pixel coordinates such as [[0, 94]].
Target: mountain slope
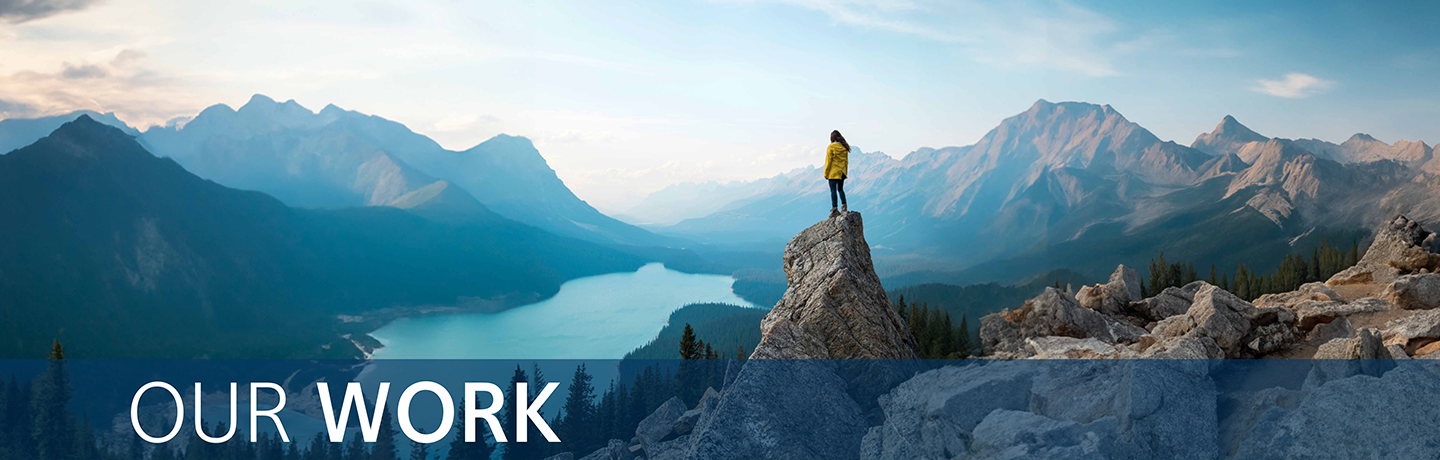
[[20, 132], [336, 158], [122, 254], [1077, 185]]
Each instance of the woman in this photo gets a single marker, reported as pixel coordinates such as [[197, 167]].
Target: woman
[[837, 161]]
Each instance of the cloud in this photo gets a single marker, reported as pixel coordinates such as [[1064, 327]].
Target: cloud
[[1049, 34], [1294, 86], [15, 109], [122, 84], [18, 11]]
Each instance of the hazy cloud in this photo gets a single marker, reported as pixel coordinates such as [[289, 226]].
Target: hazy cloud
[[15, 109], [1294, 86], [17, 11], [76, 72], [1051, 34]]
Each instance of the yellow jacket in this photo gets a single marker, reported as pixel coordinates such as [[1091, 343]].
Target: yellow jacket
[[837, 161]]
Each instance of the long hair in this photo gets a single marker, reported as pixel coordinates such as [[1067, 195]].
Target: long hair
[[836, 137]]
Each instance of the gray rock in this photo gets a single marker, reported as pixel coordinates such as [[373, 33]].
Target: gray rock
[[1424, 325], [1310, 313], [1397, 250], [614, 450], [1184, 348], [1356, 417], [1235, 325], [1169, 302], [674, 449], [561, 456], [1396, 352], [1073, 348], [1165, 408], [707, 404], [1342, 358], [1247, 409], [1019, 435], [1114, 297], [795, 409], [925, 415], [732, 370], [835, 307], [1337, 329], [1414, 292], [1052, 313], [872, 446], [1317, 292], [661, 423]]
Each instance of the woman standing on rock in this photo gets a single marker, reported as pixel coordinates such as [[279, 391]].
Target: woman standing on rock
[[837, 161]]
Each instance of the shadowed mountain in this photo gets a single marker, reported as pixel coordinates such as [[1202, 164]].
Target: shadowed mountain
[[20, 132], [119, 253]]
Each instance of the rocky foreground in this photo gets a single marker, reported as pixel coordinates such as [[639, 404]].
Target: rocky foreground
[[1380, 308], [1361, 397]]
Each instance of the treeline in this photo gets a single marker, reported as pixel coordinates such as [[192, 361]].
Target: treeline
[[34, 422], [586, 424], [935, 333], [1294, 270], [726, 327]]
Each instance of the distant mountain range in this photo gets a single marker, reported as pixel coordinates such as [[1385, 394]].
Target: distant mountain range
[[338, 158], [1077, 185], [119, 253]]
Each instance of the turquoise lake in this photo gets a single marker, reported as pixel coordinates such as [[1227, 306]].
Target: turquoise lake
[[596, 317]]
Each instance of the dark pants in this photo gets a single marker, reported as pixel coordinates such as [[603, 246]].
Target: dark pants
[[837, 185]]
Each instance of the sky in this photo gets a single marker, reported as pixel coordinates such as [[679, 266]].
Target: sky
[[624, 98]]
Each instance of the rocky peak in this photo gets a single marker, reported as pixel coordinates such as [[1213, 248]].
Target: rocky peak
[[1401, 247], [835, 307], [1228, 137]]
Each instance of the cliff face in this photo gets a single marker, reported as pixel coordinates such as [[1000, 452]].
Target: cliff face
[[834, 307]]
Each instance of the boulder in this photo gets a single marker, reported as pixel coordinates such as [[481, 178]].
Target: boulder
[[1233, 324], [796, 409], [707, 404], [1052, 313], [1365, 345], [1007, 434], [1414, 292], [1337, 329], [1356, 417], [562, 456], [674, 449], [1399, 248], [614, 450], [1316, 292], [660, 423], [1342, 358], [1165, 408], [1184, 348], [1114, 297], [834, 307], [1310, 313], [1073, 348], [1413, 331], [1169, 302], [925, 416]]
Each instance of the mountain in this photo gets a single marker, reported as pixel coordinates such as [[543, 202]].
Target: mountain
[[119, 253], [1076, 185], [20, 132], [338, 158], [1227, 138]]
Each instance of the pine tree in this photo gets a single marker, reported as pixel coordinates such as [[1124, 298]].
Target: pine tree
[[577, 429], [461, 450], [419, 450], [355, 449], [384, 447], [52, 425], [689, 345], [515, 450], [319, 448], [292, 452]]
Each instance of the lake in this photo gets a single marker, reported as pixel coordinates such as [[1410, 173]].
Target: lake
[[596, 317]]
